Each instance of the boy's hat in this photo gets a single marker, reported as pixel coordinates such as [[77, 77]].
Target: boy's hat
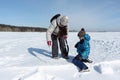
[[82, 29]]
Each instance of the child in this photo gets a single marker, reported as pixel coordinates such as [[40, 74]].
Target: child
[[83, 46], [83, 49]]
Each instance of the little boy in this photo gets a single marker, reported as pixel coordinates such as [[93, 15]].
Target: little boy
[[83, 49]]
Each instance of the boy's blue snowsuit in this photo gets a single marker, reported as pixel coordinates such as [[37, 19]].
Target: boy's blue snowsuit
[[83, 52], [84, 49], [79, 64]]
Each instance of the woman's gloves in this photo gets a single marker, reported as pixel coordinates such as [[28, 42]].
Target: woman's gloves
[[49, 43]]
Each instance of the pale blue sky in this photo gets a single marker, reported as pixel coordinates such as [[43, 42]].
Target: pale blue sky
[[95, 15]]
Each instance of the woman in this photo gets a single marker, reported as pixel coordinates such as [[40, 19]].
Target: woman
[[57, 32]]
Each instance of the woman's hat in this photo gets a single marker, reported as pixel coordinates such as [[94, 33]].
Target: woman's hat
[[64, 21]]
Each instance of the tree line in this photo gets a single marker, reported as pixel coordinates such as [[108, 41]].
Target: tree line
[[10, 28]]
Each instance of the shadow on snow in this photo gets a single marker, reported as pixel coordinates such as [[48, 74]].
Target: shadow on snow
[[35, 51]]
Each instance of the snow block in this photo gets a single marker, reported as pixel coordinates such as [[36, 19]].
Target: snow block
[[109, 67]]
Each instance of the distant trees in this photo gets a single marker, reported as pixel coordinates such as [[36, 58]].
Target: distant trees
[[73, 30], [10, 28]]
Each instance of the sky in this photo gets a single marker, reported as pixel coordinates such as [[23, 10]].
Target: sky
[[93, 15]]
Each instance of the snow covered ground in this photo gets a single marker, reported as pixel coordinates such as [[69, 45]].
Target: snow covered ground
[[26, 56]]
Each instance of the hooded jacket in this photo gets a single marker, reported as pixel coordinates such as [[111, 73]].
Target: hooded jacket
[[83, 49], [54, 27]]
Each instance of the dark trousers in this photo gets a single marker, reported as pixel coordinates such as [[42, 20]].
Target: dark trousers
[[55, 41], [79, 64]]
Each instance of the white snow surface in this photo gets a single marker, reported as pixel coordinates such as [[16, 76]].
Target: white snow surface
[[26, 56]]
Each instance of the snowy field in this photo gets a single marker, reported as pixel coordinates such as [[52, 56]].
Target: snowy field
[[26, 56]]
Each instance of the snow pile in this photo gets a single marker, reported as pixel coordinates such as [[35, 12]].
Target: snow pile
[[51, 73], [70, 72], [111, 67]]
